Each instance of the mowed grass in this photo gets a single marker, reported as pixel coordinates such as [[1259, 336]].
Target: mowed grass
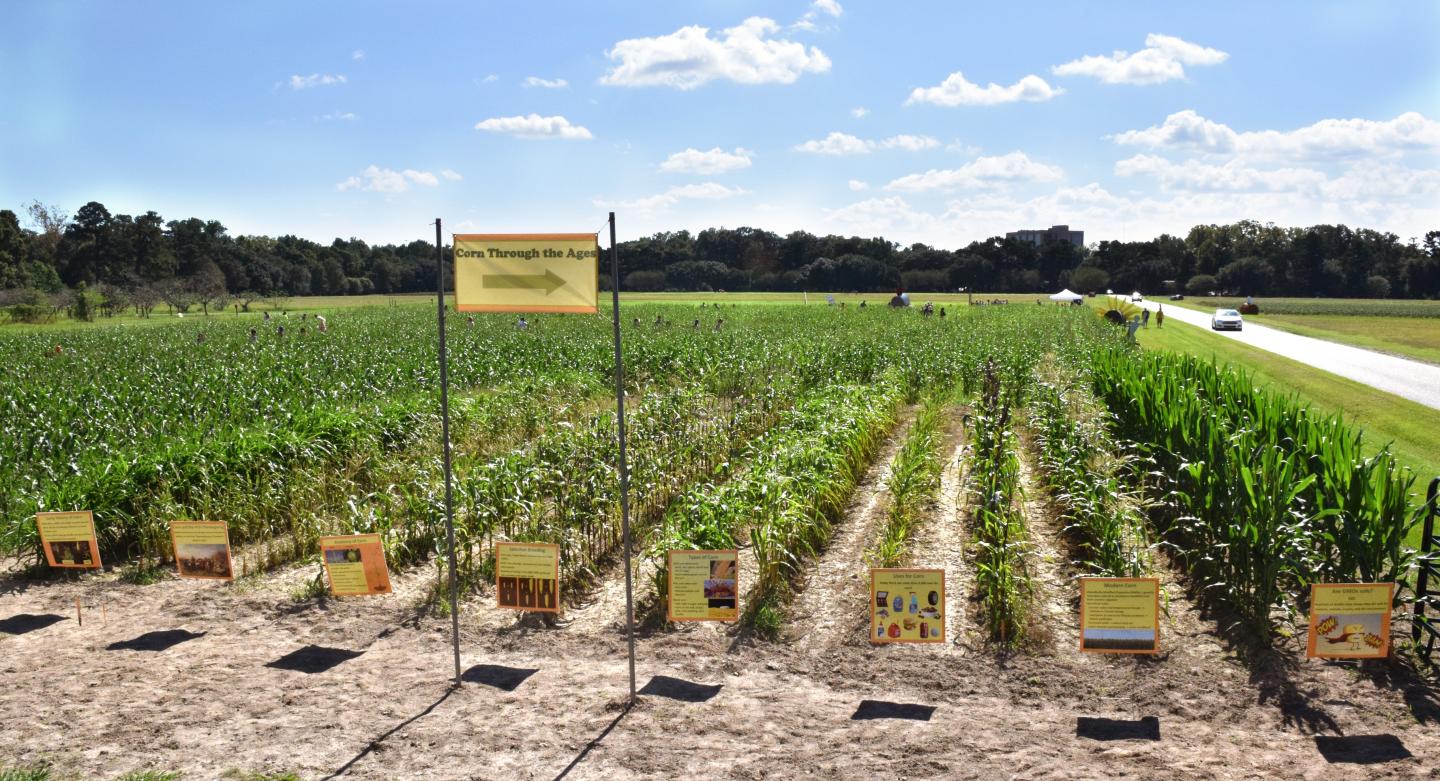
[[1410, 329], [1410, 428]]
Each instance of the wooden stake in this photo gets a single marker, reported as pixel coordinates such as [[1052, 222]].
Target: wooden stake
[[79, 619]]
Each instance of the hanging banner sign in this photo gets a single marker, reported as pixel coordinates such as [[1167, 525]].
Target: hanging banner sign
[[1120, 615], [1350, 620], [703, 585], [527, 576], [69, 539], [202, 549], [907, 605], [355, 564], [526, 272]]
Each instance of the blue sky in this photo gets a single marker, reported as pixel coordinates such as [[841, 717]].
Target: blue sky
[[939, 122]]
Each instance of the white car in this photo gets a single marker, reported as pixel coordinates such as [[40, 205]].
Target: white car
[[1226, 319]]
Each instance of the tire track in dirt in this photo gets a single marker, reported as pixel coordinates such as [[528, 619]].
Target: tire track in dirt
[[830, 608], [940, 540]]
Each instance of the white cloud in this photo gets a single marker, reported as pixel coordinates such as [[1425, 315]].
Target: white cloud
[[346, 116], [708, 191], [715, 161], [384, 180], [534, 126], [357, 55], [856, 185], [981, 172], [956, 90], [490, 79], [1234, 176], [689, 58], [450, 176], [841, 144], [1163, 59], [1327, 138], [859, 112], [316, 80], [536, 81], [827, 6]]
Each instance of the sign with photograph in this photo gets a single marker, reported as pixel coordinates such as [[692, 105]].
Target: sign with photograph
[[202, 549], [69, 539], [1350, 620], [703, 585], [907, 605], [355, 564], [1120, 615], [527, 576]]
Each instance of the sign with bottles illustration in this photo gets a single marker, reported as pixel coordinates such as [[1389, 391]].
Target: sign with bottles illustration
[[355, 564], [1350, 620], [527, 576], [69, 539], [907, 605], [1120, 615], [527, 272], [703, 585]]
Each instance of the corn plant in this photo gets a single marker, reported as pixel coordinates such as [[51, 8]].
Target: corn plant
[[1000, 536], [914, 479]]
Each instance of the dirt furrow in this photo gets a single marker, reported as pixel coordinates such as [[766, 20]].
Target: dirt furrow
[[940, 540]]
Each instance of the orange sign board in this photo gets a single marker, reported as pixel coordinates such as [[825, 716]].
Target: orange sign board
[[703, 585], [1120, 615], [355, 564], [527, 576], [1350, 620], [202, 549], [907, 605], [69, 539]]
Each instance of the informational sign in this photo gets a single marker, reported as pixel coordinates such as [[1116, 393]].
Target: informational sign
[[69, 539], [1120, 615], [704, 585], [1350, 620], [355, 564], [202, 549], [526, 272], [907, 605], [527, 576]]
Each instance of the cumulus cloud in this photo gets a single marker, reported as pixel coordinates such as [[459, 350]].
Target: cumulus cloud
[[384, 180], [689, 57], [956, 90], [534, 126], [298, 82], [1234, 176], [840, 144], [706, 191], [450, 176], [715, 161], [1187, 130], [536, 81], [830, 7], [979, 173], [1163, 59]]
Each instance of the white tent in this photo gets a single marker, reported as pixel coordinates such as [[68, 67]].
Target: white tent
[[1067, 295]]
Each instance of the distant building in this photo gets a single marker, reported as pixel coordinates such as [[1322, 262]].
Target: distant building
[[1055, 233]]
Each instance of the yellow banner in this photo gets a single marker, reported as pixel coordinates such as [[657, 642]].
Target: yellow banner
[[527, 576], [704, 585], [202, 549], [526, 272], [1350, 620], [1120, 615], [356, 565], [69, 539], [907, 605]]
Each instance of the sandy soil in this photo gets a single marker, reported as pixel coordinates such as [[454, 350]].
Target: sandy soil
[[718, 704]]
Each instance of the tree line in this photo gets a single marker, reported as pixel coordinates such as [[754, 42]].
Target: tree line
[[118, 260]]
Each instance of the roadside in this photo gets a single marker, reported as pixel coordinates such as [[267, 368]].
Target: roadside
[[1393, 330]]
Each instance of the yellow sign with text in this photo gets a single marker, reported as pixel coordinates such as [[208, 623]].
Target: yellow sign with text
[[1120, 615], [526, 272], [527, 576], [69, 539], [1350, 620], [907, 605], [202, 549], [355, 564], [703, 585]]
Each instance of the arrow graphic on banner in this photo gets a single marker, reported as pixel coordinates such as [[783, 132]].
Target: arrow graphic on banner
[[549, 281]]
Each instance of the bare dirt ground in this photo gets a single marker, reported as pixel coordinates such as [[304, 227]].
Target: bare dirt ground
[[546, 701]]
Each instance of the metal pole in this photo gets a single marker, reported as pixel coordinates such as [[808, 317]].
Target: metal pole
[[624, 468], [445, 435]]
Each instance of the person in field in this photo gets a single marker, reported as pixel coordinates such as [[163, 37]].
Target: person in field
[[1160, 317], [522, 325], [321, 326], [1145, 319], [253, 336]]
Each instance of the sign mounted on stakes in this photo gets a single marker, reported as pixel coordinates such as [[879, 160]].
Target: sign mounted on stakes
[[1120, 615], [69, 539], [355, 564], [202, 549], [526, 272], [1350, 620], [703, 585], [907, 605], [527, 576]]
